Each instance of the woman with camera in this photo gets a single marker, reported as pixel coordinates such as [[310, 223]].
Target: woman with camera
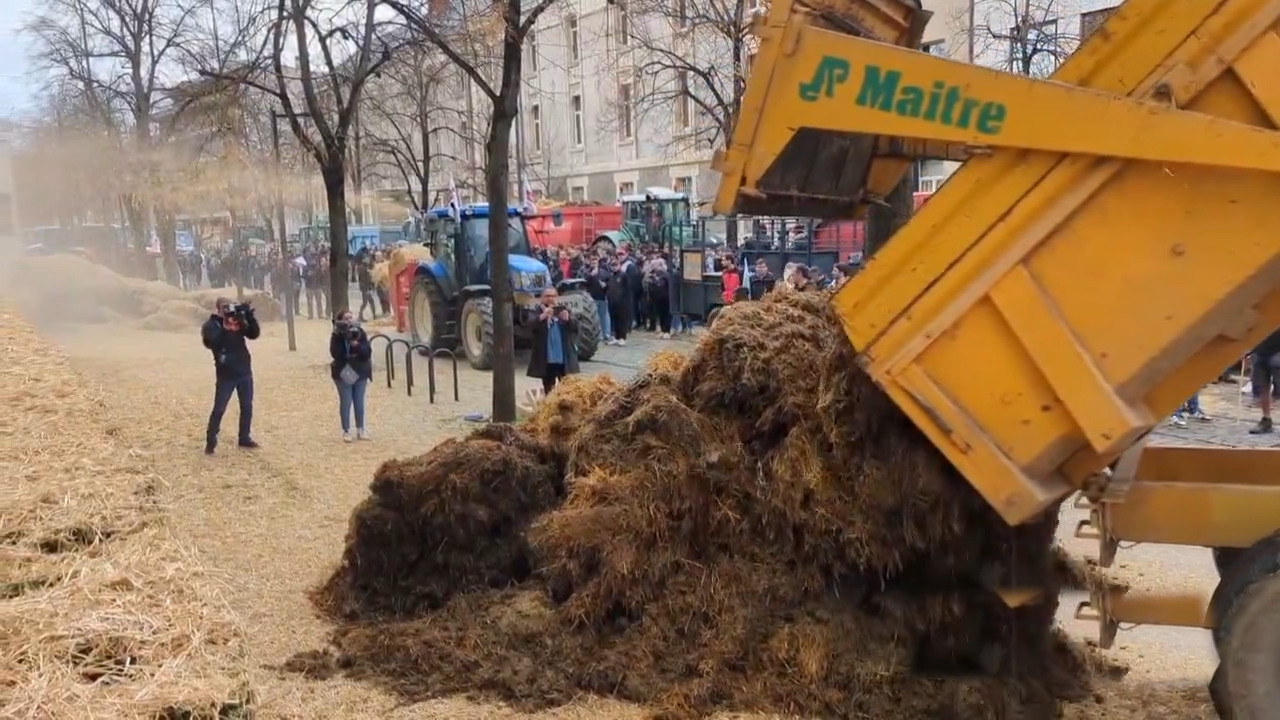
[[352, 369]]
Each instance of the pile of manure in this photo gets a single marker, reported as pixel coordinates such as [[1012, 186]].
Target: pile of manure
[[756, 528]]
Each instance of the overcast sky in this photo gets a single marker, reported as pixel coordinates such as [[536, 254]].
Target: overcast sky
[[15, 92]]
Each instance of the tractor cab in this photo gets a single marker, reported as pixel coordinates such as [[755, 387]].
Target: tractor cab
[[461, 247], [658, 216]]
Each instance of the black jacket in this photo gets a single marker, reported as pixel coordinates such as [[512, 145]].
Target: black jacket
[[538, 356], [230, 350], [364, 277], [598, 283], [357, 354]]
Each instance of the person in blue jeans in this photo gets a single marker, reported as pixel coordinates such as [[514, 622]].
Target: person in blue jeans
[[352, 369], [1191, 408], [226, 334], [598, 286]]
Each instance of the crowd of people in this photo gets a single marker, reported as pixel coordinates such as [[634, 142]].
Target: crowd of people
[[637, 289]]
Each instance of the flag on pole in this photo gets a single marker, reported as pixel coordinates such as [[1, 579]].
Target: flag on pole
[[455, 207], [746, 275]]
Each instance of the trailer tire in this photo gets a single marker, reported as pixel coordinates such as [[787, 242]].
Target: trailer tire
[[1245, 611], [1225, 558]]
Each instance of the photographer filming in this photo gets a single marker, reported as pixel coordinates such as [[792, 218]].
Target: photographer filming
[[352, 369], [225, 334], [555, 335]]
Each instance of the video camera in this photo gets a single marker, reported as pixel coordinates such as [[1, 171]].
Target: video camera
[[241, 311], [347, 329]]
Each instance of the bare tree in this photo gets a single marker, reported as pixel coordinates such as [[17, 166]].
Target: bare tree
[[1026, 37], [115, 54], [320, 97], [404, 118], [464, 34], [691, 59]]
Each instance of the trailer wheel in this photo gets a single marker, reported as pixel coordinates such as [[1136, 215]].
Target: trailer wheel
[[1224, 558], [1245, 610]]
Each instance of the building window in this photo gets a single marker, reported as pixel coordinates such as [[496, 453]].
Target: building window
[[571, 28], [579, 131], [621, 22], [935, 47], [626, 188], [929, 184], [626, 131], [1092, 20], [535, 119], [683, 185], [684, 102], [532, 40], [578, 194]]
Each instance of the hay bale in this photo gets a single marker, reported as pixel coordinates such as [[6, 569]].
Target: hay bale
[[444, 522], [555, 420], [405, 256]]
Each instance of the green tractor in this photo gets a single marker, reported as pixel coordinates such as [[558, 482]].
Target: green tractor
[[450, 302], [658, 216]]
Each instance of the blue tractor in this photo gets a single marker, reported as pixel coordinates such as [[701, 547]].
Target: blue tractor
[[451, 304]]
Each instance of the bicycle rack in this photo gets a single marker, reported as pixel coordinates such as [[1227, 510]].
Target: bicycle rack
[[385, 353], [390, 358], [431, 370]]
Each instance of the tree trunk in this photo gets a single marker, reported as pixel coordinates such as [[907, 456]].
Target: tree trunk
[[335, 190], [497, 190], [167, 229], [883, 222]]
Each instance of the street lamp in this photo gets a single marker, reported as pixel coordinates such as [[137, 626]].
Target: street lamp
[[284, 236]]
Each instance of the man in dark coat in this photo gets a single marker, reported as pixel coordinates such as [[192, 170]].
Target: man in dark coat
[[555, 334]]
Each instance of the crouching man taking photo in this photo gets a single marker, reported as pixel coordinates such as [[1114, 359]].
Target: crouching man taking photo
[[226, 334]]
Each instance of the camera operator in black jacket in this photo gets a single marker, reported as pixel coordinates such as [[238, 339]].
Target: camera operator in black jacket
[[226, 334]]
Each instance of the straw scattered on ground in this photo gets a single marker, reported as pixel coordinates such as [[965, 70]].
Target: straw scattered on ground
[[757, 528], [72, 289], [102, 612]]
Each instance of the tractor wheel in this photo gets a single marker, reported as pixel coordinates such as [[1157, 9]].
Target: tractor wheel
[[1245, 610], [584, 311], [476, 325], [429, 315]]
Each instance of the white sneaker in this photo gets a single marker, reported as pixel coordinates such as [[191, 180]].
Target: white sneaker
[[348, 437], [1177, 422], [621, 342], [610, 341], [665, 336], [362, 434]]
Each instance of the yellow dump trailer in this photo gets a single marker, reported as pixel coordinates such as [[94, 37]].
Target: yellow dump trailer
[[1111, 243]]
